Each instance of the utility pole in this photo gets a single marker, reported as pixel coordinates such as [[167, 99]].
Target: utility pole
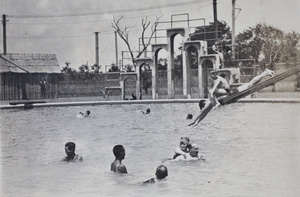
[[215, 19], [116, 46], [97, 47], [233, 30], [4, 33]]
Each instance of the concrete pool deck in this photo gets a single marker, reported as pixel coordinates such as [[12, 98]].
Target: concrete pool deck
[[268, 97]]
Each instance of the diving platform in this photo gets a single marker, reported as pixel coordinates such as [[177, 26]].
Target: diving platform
[[236, 96]]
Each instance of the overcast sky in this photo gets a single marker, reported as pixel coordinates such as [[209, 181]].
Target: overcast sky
[[66, 27]]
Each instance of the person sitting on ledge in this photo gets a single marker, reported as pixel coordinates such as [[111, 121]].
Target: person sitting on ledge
[[206, 105]]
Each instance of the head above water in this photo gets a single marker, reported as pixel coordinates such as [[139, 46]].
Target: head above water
[[70, 147], [189, 116], [161, 172], [148, 111], [88, 112], [119, 151], [194, 150]]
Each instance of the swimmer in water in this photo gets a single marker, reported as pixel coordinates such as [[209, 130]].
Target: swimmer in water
[[70, 152], [193, 155], [183, 149], [161, 173], [116, 165], [83, 115], [147, 111], [189, 116]]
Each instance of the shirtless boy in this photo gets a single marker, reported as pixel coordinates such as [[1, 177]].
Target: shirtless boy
[[116, 165]]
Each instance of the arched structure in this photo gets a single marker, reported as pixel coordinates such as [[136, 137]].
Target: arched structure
[[206, 64], [201, 48], [139, 63], [123, 78], [155, 50], [171, 33]]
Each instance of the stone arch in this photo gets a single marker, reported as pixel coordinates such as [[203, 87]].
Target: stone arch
[[171, 33], [200, 47], [123, 78], [132, 93], [206, 64], [156, 48], [140, 62]]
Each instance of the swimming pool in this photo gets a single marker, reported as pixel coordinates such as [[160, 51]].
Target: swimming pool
[[250, 150]]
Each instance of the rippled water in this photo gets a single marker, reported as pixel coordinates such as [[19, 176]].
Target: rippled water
[[250, 150]]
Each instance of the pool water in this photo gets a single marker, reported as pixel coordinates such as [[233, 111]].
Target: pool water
[[250, 150]]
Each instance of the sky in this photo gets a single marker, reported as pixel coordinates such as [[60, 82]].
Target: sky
[[66, 27]]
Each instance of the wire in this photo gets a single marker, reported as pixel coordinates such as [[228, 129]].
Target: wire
[[108, 11]]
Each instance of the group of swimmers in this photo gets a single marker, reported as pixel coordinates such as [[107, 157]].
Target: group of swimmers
[[116, 165], [186, 151]]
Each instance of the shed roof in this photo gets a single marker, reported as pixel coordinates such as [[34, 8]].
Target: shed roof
[[32, 63]]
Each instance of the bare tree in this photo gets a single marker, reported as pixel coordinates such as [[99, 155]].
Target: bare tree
[[124, 35]]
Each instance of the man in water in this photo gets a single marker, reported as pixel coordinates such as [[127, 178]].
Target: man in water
[[70, 152], [116, 165], [221, 88], [161, 173]]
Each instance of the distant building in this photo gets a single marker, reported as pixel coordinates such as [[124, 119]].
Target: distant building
[[20, 75]]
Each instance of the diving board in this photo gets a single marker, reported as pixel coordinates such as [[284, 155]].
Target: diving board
[[236, 96]]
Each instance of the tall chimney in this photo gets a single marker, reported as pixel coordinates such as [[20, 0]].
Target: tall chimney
[[4, 33], [215, 19], [97, 48]]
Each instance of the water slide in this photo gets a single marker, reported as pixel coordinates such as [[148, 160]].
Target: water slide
[[236, 96]]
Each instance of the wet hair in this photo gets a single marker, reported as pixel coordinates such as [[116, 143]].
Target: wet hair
[[117, 150], [189, 116], [161, 172], [88, 112], [70, 145], [194, 152], [185, 138], [202, 103], [148, 110]]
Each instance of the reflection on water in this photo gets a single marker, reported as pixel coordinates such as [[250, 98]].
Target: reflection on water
[[250, 150]]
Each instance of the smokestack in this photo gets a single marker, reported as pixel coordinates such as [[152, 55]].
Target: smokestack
[[97, 48], [215, 19], [4, 33], [116, 45]]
